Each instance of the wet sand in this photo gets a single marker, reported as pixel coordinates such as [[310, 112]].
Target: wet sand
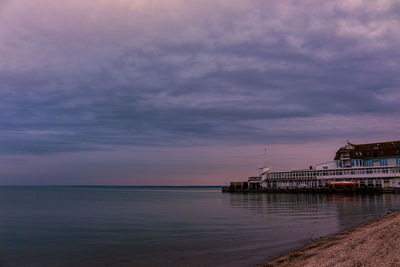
[[375, 243]]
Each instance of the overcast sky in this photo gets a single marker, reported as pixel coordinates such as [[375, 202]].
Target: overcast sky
[[188, 92]]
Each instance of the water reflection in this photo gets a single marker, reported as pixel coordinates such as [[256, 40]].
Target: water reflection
[[355, 209], [341, 210]]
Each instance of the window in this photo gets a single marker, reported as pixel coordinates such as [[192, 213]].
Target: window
[[397, 161], [368, 153], [356, 162], [382, 152]]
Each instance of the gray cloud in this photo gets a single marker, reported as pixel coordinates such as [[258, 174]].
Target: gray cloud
[[233, 73]]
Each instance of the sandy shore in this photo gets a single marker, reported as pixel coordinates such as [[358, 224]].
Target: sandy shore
[[375, 243]]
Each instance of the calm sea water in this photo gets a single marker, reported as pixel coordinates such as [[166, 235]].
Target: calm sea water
[[168, 226]]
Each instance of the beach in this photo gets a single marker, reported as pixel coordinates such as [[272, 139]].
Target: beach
[[375, 243]]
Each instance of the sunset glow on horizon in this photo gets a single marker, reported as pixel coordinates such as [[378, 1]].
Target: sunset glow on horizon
[[181, 92]]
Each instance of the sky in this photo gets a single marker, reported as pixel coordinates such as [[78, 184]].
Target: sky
[[189, 92]]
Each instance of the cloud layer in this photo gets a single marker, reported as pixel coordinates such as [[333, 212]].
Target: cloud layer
[[99, 75]]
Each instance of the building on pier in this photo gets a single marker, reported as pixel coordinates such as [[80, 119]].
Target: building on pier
[[374, 165]]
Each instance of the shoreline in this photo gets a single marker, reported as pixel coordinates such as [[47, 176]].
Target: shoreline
[[373, 243]]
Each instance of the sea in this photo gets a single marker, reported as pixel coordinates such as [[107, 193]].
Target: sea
[[169, 226]]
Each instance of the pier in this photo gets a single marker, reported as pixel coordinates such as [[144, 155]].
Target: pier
[[362, 168], [325, 190]]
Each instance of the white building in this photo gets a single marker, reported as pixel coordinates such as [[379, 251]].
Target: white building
[[374, 165]]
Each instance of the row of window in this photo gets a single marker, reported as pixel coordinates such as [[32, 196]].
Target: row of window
[[383, 162], [309, 175], [369, 153], [375, 153], [357, 171], [369, 162], [314, 174], [357, 163]]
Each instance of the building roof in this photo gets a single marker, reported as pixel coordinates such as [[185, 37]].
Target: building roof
[[373, 150]]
